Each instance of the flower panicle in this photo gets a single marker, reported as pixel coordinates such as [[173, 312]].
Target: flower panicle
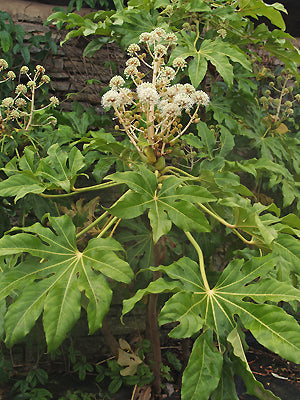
[[19, 107], [153, 108]]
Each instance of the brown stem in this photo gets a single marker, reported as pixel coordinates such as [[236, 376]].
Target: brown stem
[[152, 325], [109, 338], [186, 352]]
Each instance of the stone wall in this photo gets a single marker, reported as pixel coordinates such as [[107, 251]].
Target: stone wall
[[68, 70]]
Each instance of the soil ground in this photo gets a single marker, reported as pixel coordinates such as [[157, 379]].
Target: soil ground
[[280, 376]]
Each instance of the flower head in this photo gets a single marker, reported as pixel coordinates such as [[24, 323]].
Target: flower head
[[126, 96], [179, 62], [147, 93], [21, 89], [189, 89], [31, 84], [133, 61], [40, 69], [170, 111], [3, 64], [131, 71], [24, 70], [11, 75], [20, 102], [133, 48], [145, 37], [112, 98], [116, 81], [158, 34], [45, 79], [7, 102], [54, 100], [183, 101], [160, 50], [171, 38], [201, 97], [14, 114]]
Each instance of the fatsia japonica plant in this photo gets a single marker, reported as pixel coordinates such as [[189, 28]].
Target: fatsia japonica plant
[[54, 268]]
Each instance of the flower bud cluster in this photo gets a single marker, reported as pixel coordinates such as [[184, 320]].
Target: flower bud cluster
[[278, 100], [20, 106], [10, 75], [151, 112]]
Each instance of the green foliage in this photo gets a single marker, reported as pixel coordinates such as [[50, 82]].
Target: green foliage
[[91, 3], [27, 388], [66, 273], [14, 50], [204, 200]]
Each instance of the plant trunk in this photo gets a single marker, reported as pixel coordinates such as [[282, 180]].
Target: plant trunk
[[152, 324], [109, 338]]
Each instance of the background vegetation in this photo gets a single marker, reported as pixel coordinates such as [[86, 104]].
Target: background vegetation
[[196, 211]]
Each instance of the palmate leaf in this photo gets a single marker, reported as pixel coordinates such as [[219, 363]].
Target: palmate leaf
[[53, 277], [203, 371], [139, 242], [60, 168], [170, 203], [134, 22], [255, 8], [21, 184], [243, 289], [287, 248], [226, 389], [238, 283], [240, 367], [57, 171], [220, 53]]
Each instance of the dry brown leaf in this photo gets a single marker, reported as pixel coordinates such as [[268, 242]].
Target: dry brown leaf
[[142, 393]]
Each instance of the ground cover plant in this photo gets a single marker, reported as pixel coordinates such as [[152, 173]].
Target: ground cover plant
[[198, 180]]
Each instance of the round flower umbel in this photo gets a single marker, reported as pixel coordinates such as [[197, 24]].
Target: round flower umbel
[[150, 113]]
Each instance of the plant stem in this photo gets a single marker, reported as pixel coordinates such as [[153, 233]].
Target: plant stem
[[109, 338], [96, 187], [31, 109], [106, 228], [233, 227], [171, 168], [92, 224], [56, 196], [201, 260], [217, 217], [80, 190], [250, 242], [153, 328]]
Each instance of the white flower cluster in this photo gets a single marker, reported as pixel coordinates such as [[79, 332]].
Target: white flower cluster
[[147, 93], [118, 95], [156, 105]]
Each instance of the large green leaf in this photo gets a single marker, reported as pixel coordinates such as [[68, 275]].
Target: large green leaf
[[131, 22], [55, 277], [202, 374], [60, 168], [21, 184], [139, 243], [240, 367], [167, 203], [287, 248], [239, 285], [255, 8], [57, 171], [226, 389], [220, 53]]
